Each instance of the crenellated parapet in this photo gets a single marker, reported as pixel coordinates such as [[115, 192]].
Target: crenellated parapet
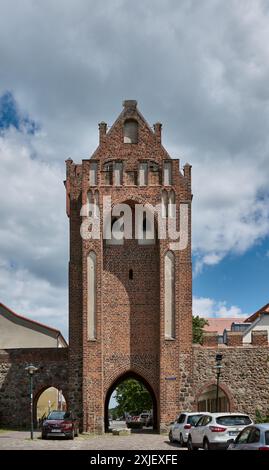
[[235, 339]]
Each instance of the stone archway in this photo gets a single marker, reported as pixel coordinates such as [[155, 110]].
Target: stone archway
[[139, 378], [55, 394], [206, 399]]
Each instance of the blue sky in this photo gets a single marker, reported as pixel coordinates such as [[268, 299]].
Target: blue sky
[[11, 116], [240, 280], [201, 68]]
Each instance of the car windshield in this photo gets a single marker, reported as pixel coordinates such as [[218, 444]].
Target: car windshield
[[193, 419], [267, 438], [58, 415], [233, 420]]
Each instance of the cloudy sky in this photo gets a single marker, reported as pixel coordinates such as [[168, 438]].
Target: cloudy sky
[[199, 67]]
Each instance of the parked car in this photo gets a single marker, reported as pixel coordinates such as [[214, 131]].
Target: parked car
[[179, 430], [144, 416], [60, 424], [215, 430], [133, 421], [149, 421], [252, 438]]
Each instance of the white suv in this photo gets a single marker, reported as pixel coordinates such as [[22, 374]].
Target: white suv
[[179, 430], [216, 430]]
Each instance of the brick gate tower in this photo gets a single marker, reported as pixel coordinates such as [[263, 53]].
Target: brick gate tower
[[130, 312]]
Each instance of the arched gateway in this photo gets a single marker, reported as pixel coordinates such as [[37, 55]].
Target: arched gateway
[[130, 298], [139, 378]]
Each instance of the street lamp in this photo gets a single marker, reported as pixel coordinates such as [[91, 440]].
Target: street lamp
[[31, 371], [218, 369]]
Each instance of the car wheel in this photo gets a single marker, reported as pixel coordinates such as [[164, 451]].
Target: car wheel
[[206, 445], [181, 441], [72, 435], [171, 439], [43, 436], [189, 444], [76, 433]]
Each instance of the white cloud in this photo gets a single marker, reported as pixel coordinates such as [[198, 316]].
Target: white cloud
[[207, 307], [230, 209], [33, 232]]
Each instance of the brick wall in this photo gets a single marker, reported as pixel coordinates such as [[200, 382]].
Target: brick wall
[[259, 338]]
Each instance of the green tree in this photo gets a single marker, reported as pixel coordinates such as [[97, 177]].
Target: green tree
[[132, 395], [198, 324], [260, 418]]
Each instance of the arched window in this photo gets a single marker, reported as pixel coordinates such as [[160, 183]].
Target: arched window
[[167, 173], [172, 204], [154, 173], [143, 173], [130, 132], [169, 295], [91, 284], [89, 201], [118, 173], [96, 203], [108, 169], [164, 204], [93, 174]]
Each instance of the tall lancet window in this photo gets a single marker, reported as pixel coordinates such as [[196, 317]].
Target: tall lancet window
[[90, 201], [169, 295], [96, 203], [164, 204], [172, 205], [93, 174], [167, 174], [130, 132], [91, 284]]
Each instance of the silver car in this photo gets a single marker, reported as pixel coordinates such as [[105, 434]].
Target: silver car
[[179, 430], [216, 430], [254, 437]]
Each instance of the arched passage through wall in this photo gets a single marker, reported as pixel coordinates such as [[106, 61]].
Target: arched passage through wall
[[141, 380], [47, 399], [207, 399]]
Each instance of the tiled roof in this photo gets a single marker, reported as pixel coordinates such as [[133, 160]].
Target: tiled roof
[[254, 316], [220, 324]]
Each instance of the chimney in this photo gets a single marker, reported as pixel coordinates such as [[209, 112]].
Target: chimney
[[102, 131], [129, 105], [158, 131]]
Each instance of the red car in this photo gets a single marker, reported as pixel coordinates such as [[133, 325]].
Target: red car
[[60, 424]]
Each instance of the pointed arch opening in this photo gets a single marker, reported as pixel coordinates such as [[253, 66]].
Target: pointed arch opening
[[49, 398], [207, 400], [146, 419], [130, 131]]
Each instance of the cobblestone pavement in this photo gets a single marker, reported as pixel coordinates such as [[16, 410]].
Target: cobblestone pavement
[[20, 440]]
